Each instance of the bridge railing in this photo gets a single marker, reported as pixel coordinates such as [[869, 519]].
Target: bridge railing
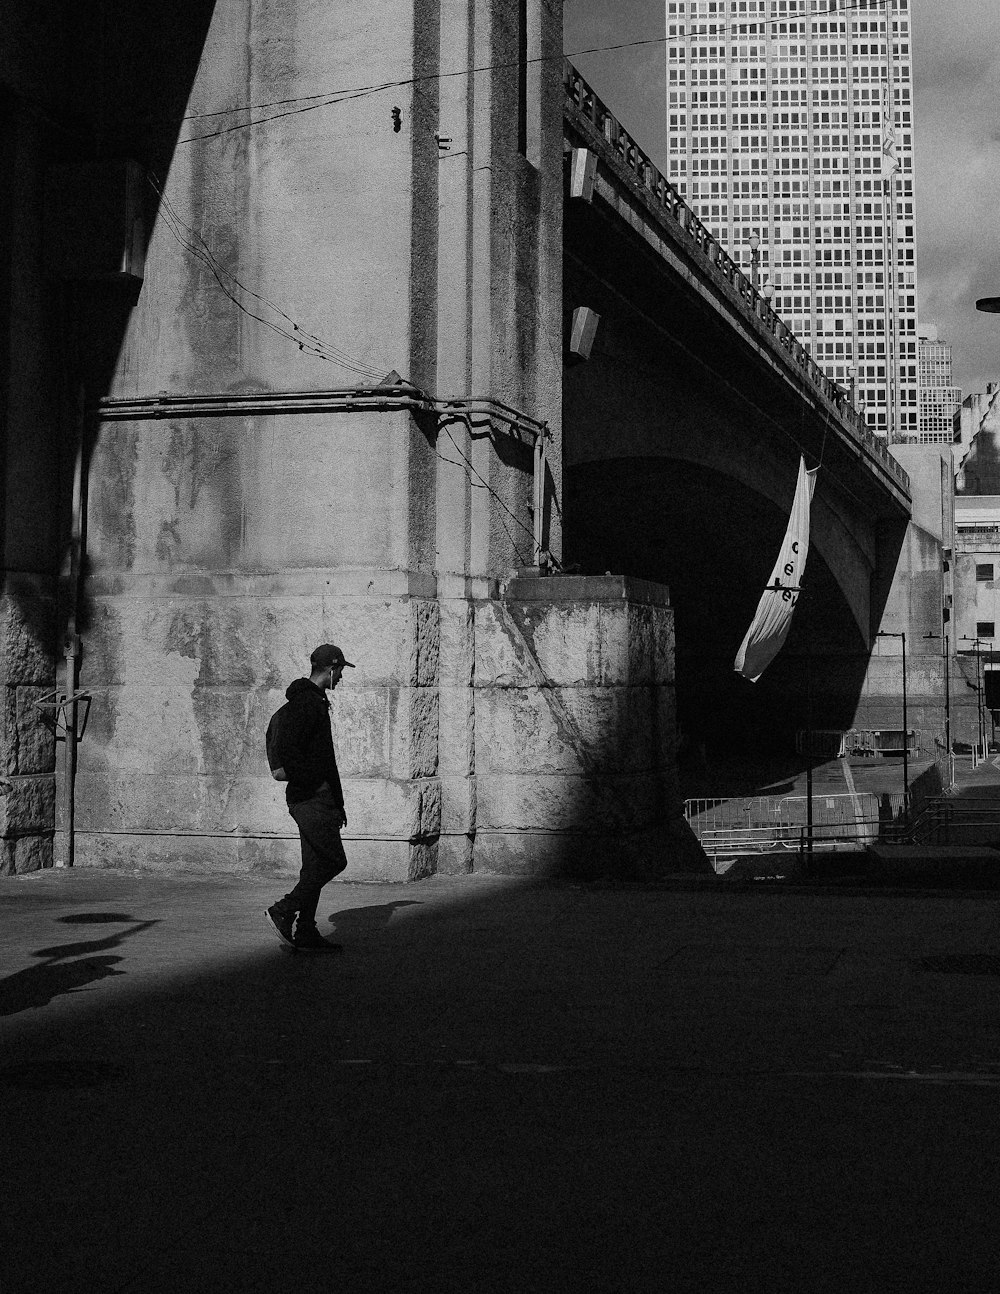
[[582, 98]]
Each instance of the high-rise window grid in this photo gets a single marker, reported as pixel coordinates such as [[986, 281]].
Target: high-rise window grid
[[939, 397], [799, 162]]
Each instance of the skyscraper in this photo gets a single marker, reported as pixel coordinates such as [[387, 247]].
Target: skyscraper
[[939, 397], [790, 134]]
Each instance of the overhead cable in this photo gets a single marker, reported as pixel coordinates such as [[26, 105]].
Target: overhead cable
[[233, 288], [329, 98], [456, 409]]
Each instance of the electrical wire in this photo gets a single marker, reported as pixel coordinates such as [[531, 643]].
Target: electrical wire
[[310, 102], [476, 485], [486, 485], [195, 245], [522, 560], [325, 102], [219, 274]]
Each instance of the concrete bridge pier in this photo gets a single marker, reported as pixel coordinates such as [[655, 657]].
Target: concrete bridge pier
[[313, 417], [247, 500]]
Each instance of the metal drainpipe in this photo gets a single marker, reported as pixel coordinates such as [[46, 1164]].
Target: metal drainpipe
[[397, 396], [62, 844], [539, 496], [906, 734], [522, 422], [385, 398]]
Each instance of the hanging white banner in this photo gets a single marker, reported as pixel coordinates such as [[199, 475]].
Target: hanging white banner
[[766, 635]]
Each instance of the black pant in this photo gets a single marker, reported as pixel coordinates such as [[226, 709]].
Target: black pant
[[323, 858]]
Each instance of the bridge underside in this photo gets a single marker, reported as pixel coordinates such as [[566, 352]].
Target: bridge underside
[[713, 542], [682, 438]]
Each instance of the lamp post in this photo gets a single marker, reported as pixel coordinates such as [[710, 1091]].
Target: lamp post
[[906, 734], [852, 374], [754, 241]]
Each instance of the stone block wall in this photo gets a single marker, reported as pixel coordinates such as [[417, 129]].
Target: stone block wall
[[574, 759], [528, 734], [27, 670], [881, 703], [173, 770]]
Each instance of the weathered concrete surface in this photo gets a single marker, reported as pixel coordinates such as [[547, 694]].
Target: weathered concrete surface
[[222, 549], [181, 751], [558, 702], [919, 595], [575, 730], [922, 581]]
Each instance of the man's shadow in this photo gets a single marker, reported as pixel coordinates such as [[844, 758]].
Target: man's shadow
[[365, 920], [36, 987]]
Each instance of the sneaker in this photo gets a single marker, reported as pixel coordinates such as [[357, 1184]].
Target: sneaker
[[281, 923], [311, 941]]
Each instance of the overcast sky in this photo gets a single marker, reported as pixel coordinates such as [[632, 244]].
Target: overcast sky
[[956, 91]]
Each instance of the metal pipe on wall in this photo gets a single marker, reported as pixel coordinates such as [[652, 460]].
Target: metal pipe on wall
[[62, 842]]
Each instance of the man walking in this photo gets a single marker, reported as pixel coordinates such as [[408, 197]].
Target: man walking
[[300, 752]]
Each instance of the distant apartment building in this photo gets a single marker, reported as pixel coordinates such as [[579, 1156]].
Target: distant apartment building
[[784, 119], [940, 399]]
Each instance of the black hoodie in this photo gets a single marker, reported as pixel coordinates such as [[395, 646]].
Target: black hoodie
[[303, 745]]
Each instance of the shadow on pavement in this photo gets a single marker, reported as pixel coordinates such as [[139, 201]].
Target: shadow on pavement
[[375, 917], [514, 1089], [37, 986]]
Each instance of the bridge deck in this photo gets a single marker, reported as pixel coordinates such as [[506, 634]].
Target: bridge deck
[[630, 186]]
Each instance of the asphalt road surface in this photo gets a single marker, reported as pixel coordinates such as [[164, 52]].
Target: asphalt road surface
[[498, 1086]]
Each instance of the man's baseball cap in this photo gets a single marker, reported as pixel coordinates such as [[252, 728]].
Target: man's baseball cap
[[327, 655]]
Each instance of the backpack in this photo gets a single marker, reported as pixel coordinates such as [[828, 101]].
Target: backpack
[[271, 738]]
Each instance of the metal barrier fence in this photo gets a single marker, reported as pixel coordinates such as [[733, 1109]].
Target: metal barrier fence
[[942, 820], [949, 820], [835, 743], [762, 823]]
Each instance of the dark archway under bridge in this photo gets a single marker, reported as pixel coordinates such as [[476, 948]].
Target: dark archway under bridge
[[713, 543]]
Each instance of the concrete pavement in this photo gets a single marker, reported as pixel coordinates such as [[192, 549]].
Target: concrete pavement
[[499, 1086]]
